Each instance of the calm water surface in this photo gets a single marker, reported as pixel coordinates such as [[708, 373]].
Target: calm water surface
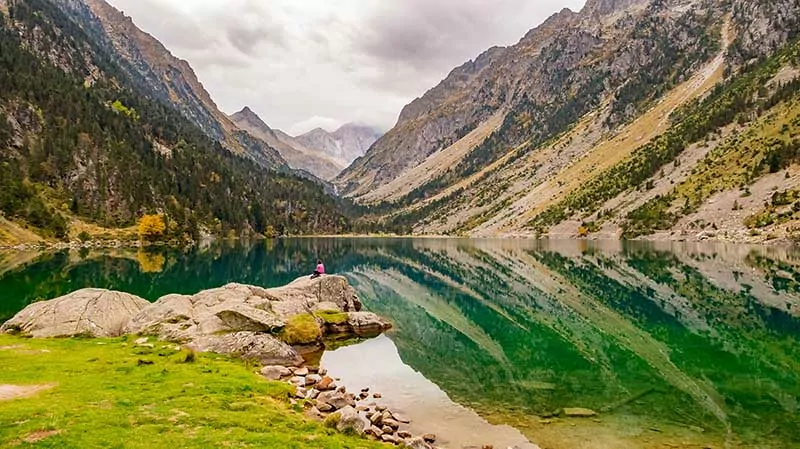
[[674, 345]]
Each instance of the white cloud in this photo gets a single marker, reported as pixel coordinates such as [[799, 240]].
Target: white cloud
[[302, 64]]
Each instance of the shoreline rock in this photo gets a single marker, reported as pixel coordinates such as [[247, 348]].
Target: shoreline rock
[[88, 312], [250, 322]]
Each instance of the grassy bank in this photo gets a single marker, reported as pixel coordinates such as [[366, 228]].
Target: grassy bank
[[110, 394]]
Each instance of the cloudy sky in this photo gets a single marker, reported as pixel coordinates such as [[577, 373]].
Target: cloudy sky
[[300, 64]]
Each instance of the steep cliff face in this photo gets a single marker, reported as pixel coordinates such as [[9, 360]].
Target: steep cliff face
[[618, 53], [162, 75], [298, 156]]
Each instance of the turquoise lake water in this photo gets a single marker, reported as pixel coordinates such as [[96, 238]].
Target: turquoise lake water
[[673, 345]]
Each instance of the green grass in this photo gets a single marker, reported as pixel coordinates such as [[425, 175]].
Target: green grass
[[301, 330], [105, 398]]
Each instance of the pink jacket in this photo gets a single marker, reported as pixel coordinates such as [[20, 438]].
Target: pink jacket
[[320, 268]]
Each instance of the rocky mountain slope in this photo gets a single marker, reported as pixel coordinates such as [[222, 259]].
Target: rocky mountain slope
[[297, 155], [162, 76], [593, 119], [92, 134]]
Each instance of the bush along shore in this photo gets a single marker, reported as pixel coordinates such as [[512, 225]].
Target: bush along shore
[[172, 345]]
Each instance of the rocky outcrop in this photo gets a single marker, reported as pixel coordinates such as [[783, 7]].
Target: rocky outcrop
[[247, 321], [90, 312], [240, 320]]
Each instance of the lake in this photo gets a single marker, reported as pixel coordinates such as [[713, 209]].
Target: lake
[[672, 345]]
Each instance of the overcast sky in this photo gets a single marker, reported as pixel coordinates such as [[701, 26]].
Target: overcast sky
[[300, 64]]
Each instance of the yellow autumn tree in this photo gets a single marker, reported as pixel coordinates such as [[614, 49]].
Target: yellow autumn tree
[[152, 228]]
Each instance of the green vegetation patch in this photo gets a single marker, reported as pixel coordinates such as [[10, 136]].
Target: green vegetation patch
[[301, 330], [333, 316], [108, 393]]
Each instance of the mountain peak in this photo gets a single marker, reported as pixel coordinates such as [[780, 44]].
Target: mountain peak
[[247, 115], [608, 7]]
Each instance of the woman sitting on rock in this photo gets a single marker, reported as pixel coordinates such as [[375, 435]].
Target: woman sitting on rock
[[319, 271]]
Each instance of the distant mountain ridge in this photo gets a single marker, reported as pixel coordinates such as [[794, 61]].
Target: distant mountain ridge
[[319, 152], [349, 142]]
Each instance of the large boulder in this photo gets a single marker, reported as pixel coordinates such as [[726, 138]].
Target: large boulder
[[90, 312], [350, 421], [305, 294], [260, 347]]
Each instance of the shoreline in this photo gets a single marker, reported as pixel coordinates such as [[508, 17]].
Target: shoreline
[[137, 244]]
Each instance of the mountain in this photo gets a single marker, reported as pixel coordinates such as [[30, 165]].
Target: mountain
[[100, 125], [344, 145], [625, 119], [160, 75], [297, 155]]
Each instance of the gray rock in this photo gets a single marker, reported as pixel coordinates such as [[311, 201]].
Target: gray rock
[[374, 431], [91, 312], [302, 371], [240, 317], [351, 421], [313, 379], [367, 323], [312, 394], [578, 412], [323, 407], [315, 414], [300, 393], [326, 306], [274, 372], [263, 348], [417, 443], [387, 430], [386, 438], [429, 438], [170, 318], [376, 418], [404, 434], [202, 319], [391, 423], [336, 400]]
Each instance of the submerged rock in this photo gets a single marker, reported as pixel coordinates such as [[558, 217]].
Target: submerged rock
[[90, 312], [578, 412]]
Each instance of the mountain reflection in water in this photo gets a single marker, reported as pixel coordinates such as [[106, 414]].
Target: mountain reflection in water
[[688, 345]]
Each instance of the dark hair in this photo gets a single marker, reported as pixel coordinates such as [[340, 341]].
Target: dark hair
[[319, 260]]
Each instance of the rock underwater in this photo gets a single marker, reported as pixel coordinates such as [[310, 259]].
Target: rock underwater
[[241, 320]]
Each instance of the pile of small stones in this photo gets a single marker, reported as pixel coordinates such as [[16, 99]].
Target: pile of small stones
[[326, 401]]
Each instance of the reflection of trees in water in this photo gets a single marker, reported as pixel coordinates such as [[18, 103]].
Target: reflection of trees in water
[[150, 261]]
